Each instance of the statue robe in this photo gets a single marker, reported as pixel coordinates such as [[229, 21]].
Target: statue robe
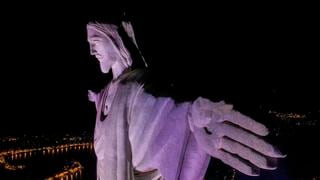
[[142, 137]]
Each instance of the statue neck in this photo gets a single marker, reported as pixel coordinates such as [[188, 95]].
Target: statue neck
[[117, 69]]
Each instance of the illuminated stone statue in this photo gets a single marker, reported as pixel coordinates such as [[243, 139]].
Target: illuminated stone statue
[[140, 136]]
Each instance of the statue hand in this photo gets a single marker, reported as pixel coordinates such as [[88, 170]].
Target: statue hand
[[232, 137], [92, 96]]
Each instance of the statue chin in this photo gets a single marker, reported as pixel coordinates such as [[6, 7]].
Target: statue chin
[[104, 70]]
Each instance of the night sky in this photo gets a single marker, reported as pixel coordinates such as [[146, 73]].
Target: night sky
[[250, 57]]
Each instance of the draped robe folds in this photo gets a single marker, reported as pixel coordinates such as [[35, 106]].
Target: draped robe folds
[[142, 137]]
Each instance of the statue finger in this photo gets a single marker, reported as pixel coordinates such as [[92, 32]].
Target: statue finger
[[237, 163], [246, 123], [248, 154], [249, 140]]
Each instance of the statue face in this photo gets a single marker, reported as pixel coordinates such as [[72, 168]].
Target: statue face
[[103, 49]]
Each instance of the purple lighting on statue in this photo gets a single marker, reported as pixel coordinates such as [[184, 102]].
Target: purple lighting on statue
[[138, 135]]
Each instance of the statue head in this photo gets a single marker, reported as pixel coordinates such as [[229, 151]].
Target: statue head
[[107, 46]]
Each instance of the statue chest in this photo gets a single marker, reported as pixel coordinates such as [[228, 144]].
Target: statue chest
[[107, 100]]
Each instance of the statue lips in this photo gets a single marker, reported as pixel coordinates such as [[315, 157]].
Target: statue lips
[[99, 57]]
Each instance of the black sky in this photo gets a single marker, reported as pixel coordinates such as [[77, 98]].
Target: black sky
[[248, 56]]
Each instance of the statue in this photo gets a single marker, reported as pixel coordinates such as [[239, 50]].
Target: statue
[[140, 136]]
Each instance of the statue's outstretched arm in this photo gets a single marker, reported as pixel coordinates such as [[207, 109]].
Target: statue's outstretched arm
[[232, 137]]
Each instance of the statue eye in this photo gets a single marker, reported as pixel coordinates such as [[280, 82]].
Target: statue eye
[[94, 40]]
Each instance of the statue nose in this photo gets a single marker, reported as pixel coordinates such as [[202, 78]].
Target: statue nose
[[93, 50]]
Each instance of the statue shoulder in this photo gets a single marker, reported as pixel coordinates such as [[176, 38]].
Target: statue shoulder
[[153, 83], [136, 75]]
